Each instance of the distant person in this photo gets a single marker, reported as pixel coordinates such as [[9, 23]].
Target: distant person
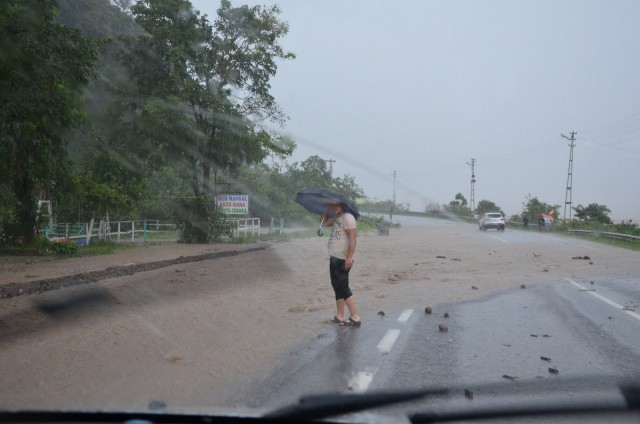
[[525, 221], [342, 246], [540, 223]]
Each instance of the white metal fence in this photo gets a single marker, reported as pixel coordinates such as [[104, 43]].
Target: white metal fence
[[135, 231], [246, 226], [118, 231]]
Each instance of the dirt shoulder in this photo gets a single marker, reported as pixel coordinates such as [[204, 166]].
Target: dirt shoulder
[[84, 277]]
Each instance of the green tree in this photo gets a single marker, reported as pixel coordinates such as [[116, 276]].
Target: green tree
[[458, 206], [485, 206], [594, 212], [44, 67], [347, 186], [313, 172], [200, 90], [205, 85], [533, 207]]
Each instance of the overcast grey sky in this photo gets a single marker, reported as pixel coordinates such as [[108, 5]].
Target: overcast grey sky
[[422, 87]]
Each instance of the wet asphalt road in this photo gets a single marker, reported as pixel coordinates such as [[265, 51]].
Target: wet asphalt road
[[560, 342]]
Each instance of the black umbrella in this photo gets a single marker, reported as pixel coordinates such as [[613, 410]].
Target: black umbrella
[[316, 200]]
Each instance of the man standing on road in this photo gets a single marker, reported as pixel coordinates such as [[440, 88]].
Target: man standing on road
[[342, 246]]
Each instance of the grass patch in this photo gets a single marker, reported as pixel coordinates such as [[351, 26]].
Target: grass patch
[[625, 244], [102, 247], [43, 247]]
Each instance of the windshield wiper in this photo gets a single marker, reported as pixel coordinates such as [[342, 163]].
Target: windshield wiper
[[311, 408], [630, 393]]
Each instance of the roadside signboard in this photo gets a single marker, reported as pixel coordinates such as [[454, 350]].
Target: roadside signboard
[[233, 204]]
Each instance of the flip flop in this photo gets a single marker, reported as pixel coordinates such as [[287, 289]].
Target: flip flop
[[337, 321], [354, 323]]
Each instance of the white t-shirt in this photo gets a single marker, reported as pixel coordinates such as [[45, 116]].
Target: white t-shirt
[[339, 241]]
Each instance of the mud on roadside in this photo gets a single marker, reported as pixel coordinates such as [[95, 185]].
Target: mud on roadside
[[44, 285]]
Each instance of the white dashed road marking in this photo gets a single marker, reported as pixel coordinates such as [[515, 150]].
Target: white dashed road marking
[[388, 340], [361, 381], [499, 239], [604, 299], [404, 317]]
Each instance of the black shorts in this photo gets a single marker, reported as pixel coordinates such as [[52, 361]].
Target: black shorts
[[339, 278]]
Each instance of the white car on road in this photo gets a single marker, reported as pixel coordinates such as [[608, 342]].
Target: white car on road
[[492, 220]]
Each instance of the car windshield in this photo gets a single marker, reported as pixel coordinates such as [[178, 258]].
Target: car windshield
[[223, 206]]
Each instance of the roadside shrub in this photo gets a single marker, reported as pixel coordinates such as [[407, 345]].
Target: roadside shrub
[[199, 221], [64, 248]]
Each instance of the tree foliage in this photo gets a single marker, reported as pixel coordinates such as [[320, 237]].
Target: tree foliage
[[458, 206], [533, 207], [594, 212], [485, 206], [44, 67], [200, 89]]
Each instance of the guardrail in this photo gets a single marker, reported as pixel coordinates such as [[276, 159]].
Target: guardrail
[[617, 236]]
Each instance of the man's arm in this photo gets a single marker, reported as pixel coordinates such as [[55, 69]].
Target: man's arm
[[327, 221], [352, 234]]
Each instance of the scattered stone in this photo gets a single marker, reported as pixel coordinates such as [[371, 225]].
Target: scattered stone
[[441, 257], [474, 288], [443, 328], [592, 283], [510, 377], [586, 258], [522, 286], [446, 315], [536, 255], [507, 345], [173, 358], [468, 394], [544, 358], [534, 335], [545, 270], [554, 371], [546, 335], [456, 259], [381, 313], [428, 310], [590, 263]]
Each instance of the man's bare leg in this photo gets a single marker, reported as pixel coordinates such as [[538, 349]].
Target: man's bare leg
[[340, 309], [353, 311]]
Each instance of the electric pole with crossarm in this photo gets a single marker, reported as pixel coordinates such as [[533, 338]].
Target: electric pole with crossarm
[[567, 196], [472, 200]]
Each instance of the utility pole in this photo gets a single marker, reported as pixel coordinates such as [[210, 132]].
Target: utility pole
[[567, 196], [331, 161], [393, 204], [473, 184]]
